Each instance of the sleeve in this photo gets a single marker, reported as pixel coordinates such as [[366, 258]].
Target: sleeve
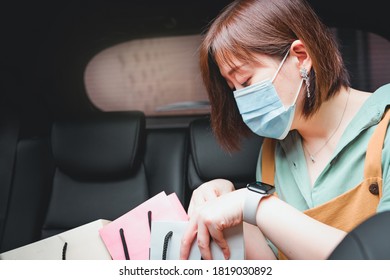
[[258, 166]]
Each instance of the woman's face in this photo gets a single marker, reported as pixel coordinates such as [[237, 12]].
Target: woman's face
[[264, 67]]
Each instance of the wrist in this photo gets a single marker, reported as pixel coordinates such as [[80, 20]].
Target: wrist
[[262, 210], [255, 193]]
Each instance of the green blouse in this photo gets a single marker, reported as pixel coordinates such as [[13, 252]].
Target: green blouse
[[345, 168]]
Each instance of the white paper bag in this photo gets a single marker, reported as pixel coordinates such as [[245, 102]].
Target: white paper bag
[[82, 243], [166, 238]]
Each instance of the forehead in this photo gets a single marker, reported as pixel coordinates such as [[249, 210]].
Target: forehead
[[228, 68], [231, 63]]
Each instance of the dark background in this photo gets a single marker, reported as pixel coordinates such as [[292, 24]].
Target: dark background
[[46, 44]]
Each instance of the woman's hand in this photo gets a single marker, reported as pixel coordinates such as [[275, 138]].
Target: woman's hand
[[205, 192], [211, 218], [208, 191]]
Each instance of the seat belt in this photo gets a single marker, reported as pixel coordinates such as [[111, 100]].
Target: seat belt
[[9, 133]]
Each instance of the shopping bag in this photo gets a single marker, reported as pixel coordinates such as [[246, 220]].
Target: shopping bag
[[166, 238], [80, 243], [128, 237]]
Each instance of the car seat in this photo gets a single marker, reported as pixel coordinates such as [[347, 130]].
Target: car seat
[[209, 161], [368, 241], [99, 172]]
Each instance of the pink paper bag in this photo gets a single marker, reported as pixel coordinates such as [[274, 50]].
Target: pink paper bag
[[128, 237]]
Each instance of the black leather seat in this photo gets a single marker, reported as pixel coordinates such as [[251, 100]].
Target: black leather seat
[[166, 160], [30, 190], [99, 170], [368, 241], [209, 161]]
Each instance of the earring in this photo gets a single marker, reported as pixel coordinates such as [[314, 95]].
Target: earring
[[305, 77]]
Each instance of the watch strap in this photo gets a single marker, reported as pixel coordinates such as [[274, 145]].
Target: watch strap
[[252, 200]]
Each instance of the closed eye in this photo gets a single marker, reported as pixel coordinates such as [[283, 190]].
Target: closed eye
[[246, 83]]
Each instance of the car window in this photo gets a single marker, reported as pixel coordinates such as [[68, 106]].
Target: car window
[[160, 76], [366, 56]]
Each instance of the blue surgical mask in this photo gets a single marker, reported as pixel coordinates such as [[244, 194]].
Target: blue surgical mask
[[263, 111]]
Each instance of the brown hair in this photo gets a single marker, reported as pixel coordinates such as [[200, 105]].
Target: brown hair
[[269, 27]]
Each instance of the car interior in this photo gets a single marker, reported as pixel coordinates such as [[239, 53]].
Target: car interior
[[102, 106]]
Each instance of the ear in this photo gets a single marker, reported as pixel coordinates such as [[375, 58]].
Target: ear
[[298, 50]]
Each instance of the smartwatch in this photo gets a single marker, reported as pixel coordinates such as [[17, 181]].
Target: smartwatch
[[255, 192]]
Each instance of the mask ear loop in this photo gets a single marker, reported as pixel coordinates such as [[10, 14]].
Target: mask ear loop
[[280, 66], [296, 95], [277, 71], [299, 90]]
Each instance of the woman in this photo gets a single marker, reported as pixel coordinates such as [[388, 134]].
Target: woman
[[272, 67]]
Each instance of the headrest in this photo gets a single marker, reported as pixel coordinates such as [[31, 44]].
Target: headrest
[[211, 161], [102, 145], [368, 241]]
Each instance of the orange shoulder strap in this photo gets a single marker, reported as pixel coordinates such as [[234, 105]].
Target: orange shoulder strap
[[373, 161], [268, 161]]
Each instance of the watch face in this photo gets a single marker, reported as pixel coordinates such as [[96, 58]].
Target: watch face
[[261, 188]]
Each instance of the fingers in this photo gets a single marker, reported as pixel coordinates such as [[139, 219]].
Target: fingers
[[204, 242], [210, 194], [210, 214], [218, 237], [197, 200], [187, 239], [211, 230], [208, 191], [204, 231], [224, 186]]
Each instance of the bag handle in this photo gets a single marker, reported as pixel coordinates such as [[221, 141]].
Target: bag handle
[[167, 237], [123, 239], [124, 244], [64, 248]]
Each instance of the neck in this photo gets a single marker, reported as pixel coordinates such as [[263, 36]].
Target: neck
[[331, 117]]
